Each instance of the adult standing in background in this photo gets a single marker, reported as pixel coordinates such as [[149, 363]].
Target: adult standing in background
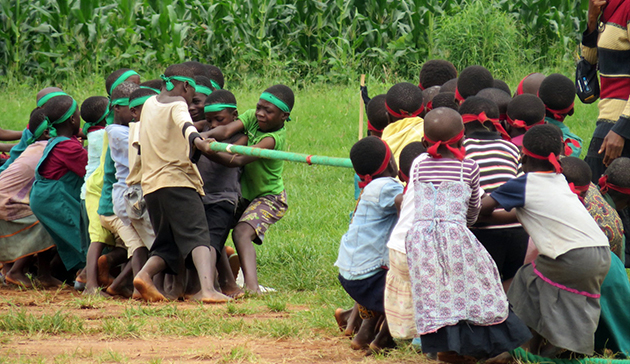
[[606, 42]]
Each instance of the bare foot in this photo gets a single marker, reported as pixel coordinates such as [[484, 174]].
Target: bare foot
[[341, 316], [136, 295], [211, 297], [49, 282], [504, 358], [354, 322], [82, 276], [119, 291], [454, 358], [18, 279], [234, 293], [104, 279], [147, 290]]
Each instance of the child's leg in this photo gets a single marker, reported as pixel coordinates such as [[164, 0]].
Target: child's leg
[[205, 260], [138, 260], [143, 281], [120, 285], [17, 276], [243, 236], [105, 262], [383, 339], [369, 327], [91, 267], [348, 320], [227, 281], [43, 272]]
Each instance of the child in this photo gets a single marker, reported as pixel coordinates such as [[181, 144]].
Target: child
[[203, 89], [408, 155], [42, 97], [472, 80], [497, 159], [499, 97], [445, 99], [216, 76], [435, 73], [530, 84], [427, 97], [21, 234], [137, 240], [55, 196], [262, 185], [501, 85], [403, 104], [524, 112], [222, 187], [377, 115], [459, 303], [557, 92], [171, 185], [362, 259], [557, 295], [450, 86]]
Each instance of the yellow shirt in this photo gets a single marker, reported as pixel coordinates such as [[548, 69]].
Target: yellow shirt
[[404, 131], [166, 146]]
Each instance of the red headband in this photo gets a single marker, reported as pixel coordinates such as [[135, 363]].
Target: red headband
[[367, 178], [560, 114], [372, 128], [420, 85], [482, 118], [406, 114], [604, 185], [458, 96], [459, 153], [567, 146], [429, 106], [578, 190], [552, 158], [521, 124], [402, 176]]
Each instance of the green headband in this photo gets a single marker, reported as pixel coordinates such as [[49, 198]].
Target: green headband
[[51, 124], [39, 131], [276, 101], [169, 83], [67, 114], [150, 88], [88, 125], [122, 78], [139, 101], [41, 102], [203, 89], [215, 85], [123, 101], [218, 107]]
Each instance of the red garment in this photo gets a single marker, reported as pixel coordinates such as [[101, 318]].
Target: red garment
[[67, 156]]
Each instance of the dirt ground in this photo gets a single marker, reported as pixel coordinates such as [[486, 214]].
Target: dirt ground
[[90, 345]]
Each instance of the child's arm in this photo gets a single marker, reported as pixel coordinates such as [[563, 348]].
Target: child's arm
[[6, 147], [499, 217], [235, 160], [223, 132], [475, 198], [488, 204], [8, 135], [399, 201]]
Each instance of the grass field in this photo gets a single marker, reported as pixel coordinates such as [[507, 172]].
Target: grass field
[[294, 325]]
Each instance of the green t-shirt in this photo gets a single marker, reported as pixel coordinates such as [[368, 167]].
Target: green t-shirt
[[264, 176]]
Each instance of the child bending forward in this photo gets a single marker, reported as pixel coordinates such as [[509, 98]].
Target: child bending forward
[[459, 303], [557, 295]]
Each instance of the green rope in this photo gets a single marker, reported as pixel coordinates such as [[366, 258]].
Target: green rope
[[526, 356], [277, 154]]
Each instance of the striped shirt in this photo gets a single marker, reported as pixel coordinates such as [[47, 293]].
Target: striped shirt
[[497, 160], [436, 171]]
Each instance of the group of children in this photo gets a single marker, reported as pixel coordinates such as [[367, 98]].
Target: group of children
[[478, 234], [144, 210]]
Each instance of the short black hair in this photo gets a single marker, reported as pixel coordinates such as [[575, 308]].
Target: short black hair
[[449, 86], [477, 104], [37, 117], [445, 99], [215, 74], [124, 90], [57, 106], [429, 93], [204, 81], [367, 155], [377, 113], [109, 81], [409, 153], [156, 84], [198, 69], [474, 79], [93, 108], [543, 140], [404, 97], [557, 91], [618, 172], [220, 97], [500, 97], [576, 171], [436, 72], [282, 92], [501, 85], [179, 69], [526, 107], [140, 93]]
